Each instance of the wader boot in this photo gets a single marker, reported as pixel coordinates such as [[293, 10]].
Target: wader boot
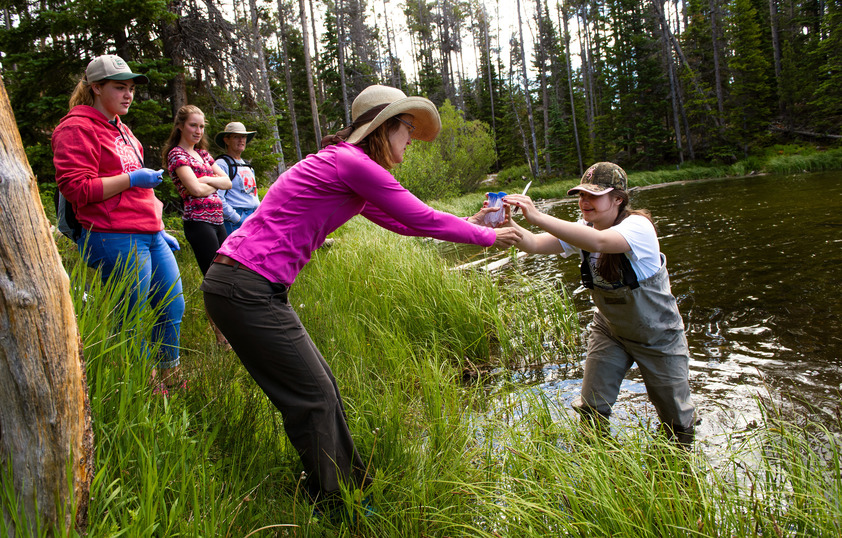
[[593, 424], [683, 437]]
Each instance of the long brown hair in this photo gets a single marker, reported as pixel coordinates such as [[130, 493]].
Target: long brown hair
[[82, 94], [175, 135], [377, 146], [608, 265]]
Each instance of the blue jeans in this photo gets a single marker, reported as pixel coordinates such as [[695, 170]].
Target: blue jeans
[[244, 214], [158, 279]]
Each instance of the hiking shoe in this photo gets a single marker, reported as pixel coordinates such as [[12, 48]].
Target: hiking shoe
[[338, 514], [161, 390]]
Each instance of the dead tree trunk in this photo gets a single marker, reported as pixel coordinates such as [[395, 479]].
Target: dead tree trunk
[[340, 48], [570, 88], [45, 422], [266, 88], [717, 69], [308, 67], [171, 41], [776, 49], [283, 39], [526, 93], [672, 80]]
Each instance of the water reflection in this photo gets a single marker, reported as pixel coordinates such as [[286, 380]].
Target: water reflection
[[755, 266]]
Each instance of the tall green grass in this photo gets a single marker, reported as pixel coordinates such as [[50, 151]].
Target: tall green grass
[[450, 458], [154, 476], [387, 294], [811, 162]]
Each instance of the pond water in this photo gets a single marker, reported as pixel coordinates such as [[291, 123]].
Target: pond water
[[755, 264]]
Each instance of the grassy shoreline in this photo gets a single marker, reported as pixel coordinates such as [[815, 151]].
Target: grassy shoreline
[[399, 328], [776, 160]]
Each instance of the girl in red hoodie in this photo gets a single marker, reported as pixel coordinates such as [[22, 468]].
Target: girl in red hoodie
[[99, 170]]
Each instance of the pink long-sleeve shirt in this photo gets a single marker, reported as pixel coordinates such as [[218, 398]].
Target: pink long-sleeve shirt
[[321, 193]]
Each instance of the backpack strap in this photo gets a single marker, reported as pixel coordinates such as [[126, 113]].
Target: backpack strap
[[628, 277], [232, 165]]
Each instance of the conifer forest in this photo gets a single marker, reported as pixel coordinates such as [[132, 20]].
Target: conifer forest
[[559, 84]]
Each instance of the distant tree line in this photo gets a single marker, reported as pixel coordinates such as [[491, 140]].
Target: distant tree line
[[642, 83]]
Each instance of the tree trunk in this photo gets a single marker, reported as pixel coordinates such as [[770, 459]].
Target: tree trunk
[[257, 40], [394, 76], [308, 67], [672, 80], [171, 42], [340, 26], [526, 93], [570, 86], [545, 98], [776, 49], [516, 114], [587, 71], [444, 47], [676, 45], [293, 119], [320, 90], [46, 439], [717, 70], [487, 44]]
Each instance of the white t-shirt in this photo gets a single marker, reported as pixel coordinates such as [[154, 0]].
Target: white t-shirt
[[639, 233]]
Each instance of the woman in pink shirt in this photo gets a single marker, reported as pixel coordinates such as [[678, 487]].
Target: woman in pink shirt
[[246, 288]]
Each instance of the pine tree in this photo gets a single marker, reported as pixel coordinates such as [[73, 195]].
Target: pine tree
[[697, 42], [827, 99], [46, 50], [751, 92]]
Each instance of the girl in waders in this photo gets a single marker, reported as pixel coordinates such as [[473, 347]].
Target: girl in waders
[[637, 319]]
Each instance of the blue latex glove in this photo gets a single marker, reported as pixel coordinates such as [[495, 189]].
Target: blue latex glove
[[172, 242], [145, 178]]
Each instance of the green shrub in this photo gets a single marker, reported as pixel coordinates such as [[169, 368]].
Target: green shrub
[[455, 163], [514, 174], [807, 162]]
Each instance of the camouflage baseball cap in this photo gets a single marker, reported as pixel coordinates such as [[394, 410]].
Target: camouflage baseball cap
[[602, 178]]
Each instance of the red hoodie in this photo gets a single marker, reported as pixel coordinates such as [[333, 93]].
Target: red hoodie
[[86, 148]]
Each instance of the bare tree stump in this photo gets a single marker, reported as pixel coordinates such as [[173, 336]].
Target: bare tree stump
[[45, 420]]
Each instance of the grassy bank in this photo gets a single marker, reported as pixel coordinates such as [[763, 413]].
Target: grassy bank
[[452, 458], [774, 160]]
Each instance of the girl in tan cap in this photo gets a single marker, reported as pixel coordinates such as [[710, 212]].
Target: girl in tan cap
[[636, 319], [100, 172], [246, 290]]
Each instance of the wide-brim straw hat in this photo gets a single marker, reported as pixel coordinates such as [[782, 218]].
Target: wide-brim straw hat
[[235, 127], [425, 116]]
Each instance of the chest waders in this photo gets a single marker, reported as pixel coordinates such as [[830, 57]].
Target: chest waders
[[637, 322]]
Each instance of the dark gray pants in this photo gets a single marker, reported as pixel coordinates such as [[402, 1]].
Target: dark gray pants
[[265, 332]]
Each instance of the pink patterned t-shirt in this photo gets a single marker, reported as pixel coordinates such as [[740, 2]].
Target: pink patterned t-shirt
[[205, 209]]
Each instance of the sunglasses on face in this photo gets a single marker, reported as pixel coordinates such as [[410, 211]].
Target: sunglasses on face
[[408, 124]]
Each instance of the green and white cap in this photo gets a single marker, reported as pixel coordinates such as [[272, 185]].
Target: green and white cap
[[111, 67]]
